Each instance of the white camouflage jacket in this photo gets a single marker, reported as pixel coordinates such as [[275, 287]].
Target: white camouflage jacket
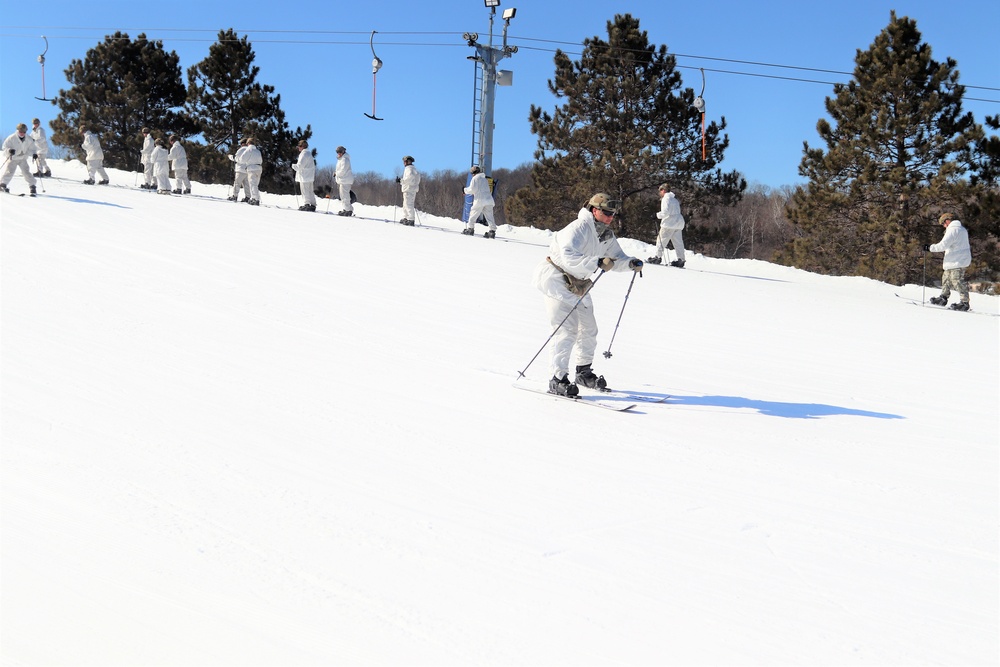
[[576, 249]]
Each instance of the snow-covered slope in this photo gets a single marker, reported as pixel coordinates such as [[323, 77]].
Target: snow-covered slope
[[255, 436]]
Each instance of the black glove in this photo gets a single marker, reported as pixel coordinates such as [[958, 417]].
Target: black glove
[[635, 264], [35, 156], [399, 180], [927, 247], [12, 151]]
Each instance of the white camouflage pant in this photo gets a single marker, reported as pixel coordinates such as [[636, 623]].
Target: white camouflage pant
[[409, 200], [12, 165], [345, 196], [579, 331], [240, 183], [480, 210], [670, 236], [181, 176], [96, 167], [308, 194]]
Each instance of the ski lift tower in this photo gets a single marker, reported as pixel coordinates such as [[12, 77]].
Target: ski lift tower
[[487, 77]]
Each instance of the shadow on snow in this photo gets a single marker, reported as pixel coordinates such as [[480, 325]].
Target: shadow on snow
[[771, 408]]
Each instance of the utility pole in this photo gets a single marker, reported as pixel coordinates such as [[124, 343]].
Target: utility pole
[[487, 76]]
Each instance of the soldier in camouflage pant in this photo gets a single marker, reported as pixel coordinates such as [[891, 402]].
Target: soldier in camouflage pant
[[954, 279], [957, 257]]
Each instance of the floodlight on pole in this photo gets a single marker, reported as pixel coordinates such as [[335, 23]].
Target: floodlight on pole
[[492, 3]]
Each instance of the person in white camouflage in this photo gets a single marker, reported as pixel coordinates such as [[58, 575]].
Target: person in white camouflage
[[146, 159], [41, 148], [240, 180], [17, 148], [576, 252], [957, 258], [671, 227], [95, 157], [179, 161]]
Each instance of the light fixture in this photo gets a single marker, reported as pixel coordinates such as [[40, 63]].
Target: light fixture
[[508, 14], [492, 3]]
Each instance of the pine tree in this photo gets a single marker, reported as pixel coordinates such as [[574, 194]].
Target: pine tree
[[627, 126], [120, 86], [227, 103], [897, 150], [981, 208]]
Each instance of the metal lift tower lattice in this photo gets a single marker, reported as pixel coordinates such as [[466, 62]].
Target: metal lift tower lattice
[[487, 77]]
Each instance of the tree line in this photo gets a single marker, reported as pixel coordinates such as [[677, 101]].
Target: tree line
[[898, 151]]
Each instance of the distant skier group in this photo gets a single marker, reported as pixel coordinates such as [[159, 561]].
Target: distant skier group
[[157, 160], [18, 147]]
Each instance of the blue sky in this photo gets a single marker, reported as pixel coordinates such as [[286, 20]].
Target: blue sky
[[317, 56]]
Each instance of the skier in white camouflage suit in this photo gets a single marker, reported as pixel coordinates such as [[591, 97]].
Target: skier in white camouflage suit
[[161, 167], [482, 204], [957, 258], [671, 224], [240, 180], [95, 157], [41, 148], [305, 175], [179, 161], [410, 184], [578, 250], [255, 167], [17, 148], [344, 176], [146, 159]]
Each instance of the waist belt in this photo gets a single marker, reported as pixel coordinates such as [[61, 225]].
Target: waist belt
[[578, 286]]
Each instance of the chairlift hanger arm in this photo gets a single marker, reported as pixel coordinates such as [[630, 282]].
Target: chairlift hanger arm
[[376, 66], [41, 61]]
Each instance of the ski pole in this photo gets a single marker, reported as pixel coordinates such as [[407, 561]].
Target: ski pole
[[571, 311], [923, 280], [607, 353], [394, 208], [40, 179]]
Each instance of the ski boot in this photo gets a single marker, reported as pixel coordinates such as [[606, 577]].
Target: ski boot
[[654, 260], [939, 300], [31, 190], [961, 305], [468, 232], [3, 187], [89, 181], [563, 387], [588, 378], [679, 263], [104, 182], [187, 191], [492, 234]]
